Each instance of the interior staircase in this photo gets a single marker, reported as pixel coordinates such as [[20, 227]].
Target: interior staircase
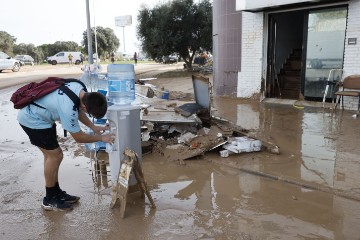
[[290, 76]]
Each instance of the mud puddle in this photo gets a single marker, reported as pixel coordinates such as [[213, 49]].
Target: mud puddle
[[205, 199]]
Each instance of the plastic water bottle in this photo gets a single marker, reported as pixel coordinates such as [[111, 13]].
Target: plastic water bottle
[[112, 129], [121, 84], [109, 148]]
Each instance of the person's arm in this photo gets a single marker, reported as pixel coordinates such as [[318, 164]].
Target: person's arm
[[85, 120], [82, 137]]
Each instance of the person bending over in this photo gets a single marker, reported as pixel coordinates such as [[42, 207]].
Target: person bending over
[[38, 122]]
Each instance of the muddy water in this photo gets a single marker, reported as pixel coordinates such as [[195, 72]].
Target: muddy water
[[310, 197]]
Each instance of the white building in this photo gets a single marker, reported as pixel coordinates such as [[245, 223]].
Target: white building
[[284, 48]]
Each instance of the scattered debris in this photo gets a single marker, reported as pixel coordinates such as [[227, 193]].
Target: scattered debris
[[180, 131], [241, 144]]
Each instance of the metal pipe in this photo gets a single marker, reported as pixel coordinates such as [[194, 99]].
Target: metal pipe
[[90, 50]]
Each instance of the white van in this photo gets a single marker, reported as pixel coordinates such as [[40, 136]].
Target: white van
[[63, 57]]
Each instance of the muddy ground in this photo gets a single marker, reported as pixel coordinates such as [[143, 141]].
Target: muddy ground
[[309, 191]]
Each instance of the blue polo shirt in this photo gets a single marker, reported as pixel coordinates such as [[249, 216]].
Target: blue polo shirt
[[58, 107]]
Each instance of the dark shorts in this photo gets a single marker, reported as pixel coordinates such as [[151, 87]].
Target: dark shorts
[[43, 138]]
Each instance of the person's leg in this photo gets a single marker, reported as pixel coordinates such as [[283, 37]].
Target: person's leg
[[46, 141], [52, 161]]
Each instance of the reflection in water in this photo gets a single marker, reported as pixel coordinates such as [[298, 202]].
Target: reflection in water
[[318, 153], [175, 193], [99, 172], [203, 200], [318, 148], [247, 117], [312, 141]]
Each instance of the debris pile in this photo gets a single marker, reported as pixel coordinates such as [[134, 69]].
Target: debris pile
[[181, 141], [180, 131]]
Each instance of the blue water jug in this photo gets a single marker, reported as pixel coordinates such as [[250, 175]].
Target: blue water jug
[[121, 84]]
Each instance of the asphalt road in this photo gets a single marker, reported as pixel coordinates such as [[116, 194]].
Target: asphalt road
[[41, 72]]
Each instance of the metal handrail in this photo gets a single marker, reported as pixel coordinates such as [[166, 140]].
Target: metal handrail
[[332, 83]]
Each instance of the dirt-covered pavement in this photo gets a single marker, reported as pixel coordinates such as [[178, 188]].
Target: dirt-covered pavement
[[309, 191]]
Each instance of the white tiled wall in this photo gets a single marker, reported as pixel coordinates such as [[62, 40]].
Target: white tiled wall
[[249, 79], [352, 52]]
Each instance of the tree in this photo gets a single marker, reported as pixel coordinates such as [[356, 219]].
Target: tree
[[29, 49], [63, 46], [106, 41], [6, 42], [179, 27]]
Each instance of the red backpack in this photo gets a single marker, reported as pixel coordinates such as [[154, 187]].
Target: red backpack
[[32, 91]]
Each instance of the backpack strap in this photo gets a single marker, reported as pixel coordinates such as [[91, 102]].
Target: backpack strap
[[34, 103], [71, 94], [75, 98], [78, 81]]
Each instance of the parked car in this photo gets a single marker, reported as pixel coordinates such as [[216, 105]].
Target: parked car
[[25, 59], [170, 59], [8, 63]]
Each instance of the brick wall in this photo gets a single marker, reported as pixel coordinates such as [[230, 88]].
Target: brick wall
[[352, 52], [249, 79]]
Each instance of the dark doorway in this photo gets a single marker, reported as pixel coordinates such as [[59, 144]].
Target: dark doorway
[[303, 47], [285, 54]]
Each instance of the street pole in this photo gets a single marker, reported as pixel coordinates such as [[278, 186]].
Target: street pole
[[124, 38], [90, 50], [96, 51]]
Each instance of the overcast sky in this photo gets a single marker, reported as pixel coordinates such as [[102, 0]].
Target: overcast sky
[[47, 21]]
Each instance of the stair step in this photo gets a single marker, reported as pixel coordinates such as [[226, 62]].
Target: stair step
[[295, 64], [291, 79], [291, 72], [292, 67], [296, 53], [290, 82], [290, 94]]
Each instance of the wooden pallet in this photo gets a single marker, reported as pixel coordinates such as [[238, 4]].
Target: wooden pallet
[[129, 165]]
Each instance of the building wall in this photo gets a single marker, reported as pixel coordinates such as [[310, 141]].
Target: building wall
[[352, 52], [226, 47], [249, 79], [253, 42]]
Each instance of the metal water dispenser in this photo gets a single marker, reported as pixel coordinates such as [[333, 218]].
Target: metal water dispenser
[[124, 118]]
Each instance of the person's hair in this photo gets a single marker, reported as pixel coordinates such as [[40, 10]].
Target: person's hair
[[95, 103]]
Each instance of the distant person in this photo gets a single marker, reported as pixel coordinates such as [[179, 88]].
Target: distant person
[[70, 56], [39, 124], [112, 57], [81, 58], [135, 58]]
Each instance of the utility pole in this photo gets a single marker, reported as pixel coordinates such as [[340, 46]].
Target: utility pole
[[123, 21], [124, 37], [90, 50]]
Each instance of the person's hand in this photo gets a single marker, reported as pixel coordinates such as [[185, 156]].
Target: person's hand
[[108, 138], [100, 129]]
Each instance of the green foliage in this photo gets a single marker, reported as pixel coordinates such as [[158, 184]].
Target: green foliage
[[106, 41], [29, 49], [179, 27], [6, 42], [63, 46]]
